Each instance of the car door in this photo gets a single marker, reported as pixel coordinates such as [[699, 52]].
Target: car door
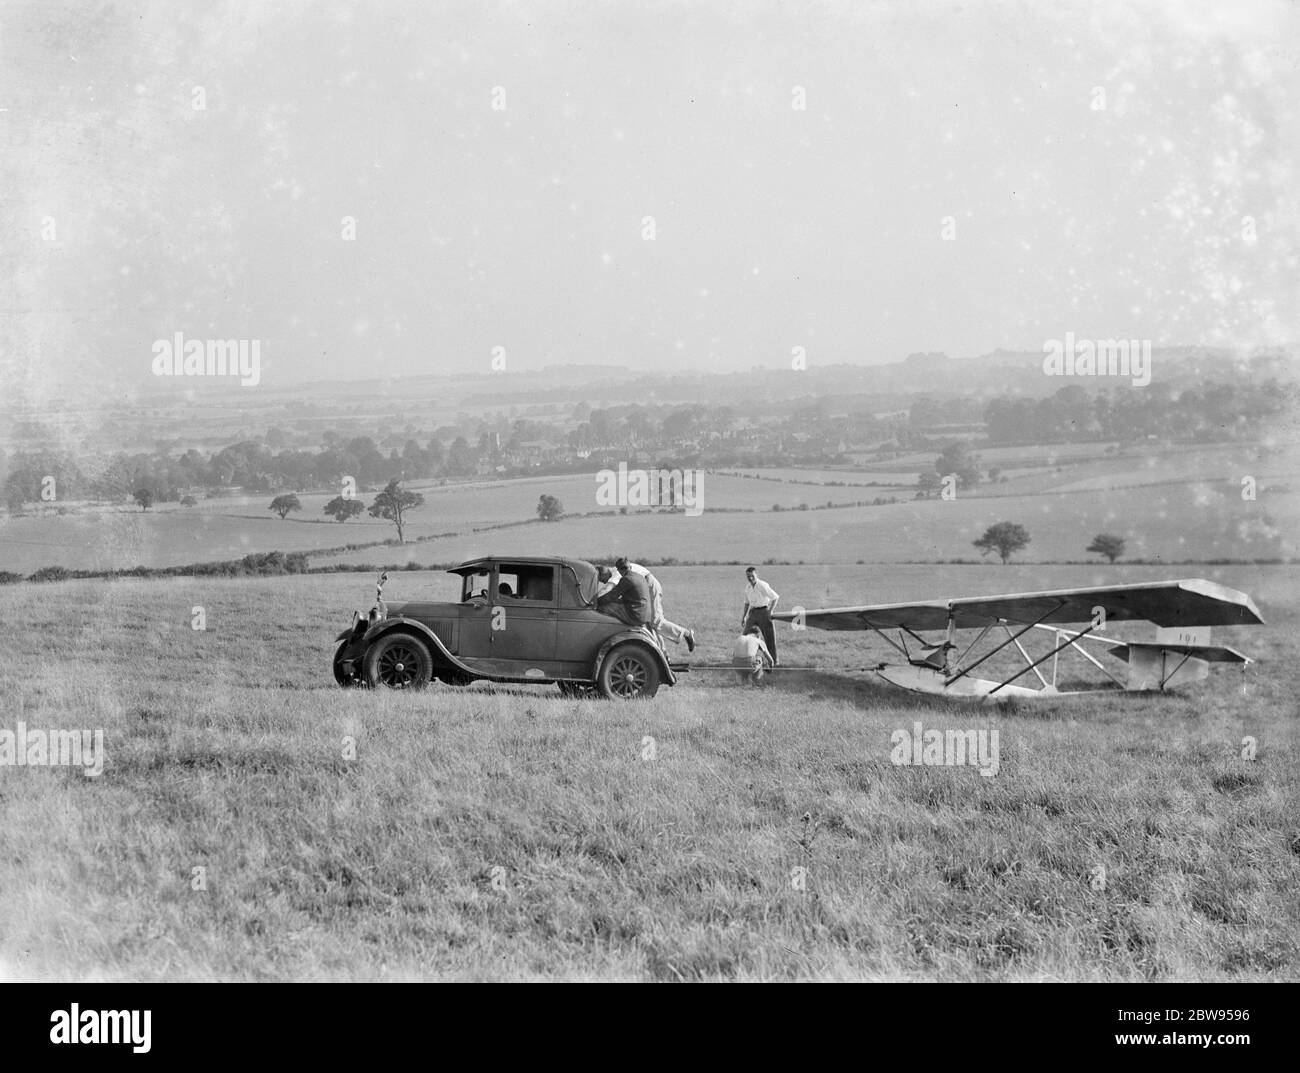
[[474, 637], [524, 615]]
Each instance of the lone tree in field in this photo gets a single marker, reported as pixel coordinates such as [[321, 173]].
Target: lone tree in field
[[550, 509], [392, 504], [144, 497], [282, 505], [1006, 538], [957, 459], [341, 509], [1107, 544], [189, 501]]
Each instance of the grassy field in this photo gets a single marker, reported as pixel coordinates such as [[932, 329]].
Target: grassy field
[[229, 528], [514, 834], [856, 478], [1172, 522]]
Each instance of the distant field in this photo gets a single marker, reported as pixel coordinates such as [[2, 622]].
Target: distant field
[[232, 527], [1038, 454], [1220, 464], [514, 834], [1074, 468], [906, 477], [1172, 522], [1195, 510]]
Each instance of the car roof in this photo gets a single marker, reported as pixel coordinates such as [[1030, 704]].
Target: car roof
[[579, 579], [488, 560]]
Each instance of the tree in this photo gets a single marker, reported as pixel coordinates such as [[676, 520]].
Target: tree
[[341, 509], [460, 458], [925, 413], [392, 504], [144, 497], [1107, 544], [415, 462], [189, 501], [1006, 538], [956, 458], [550, 509], [282, 505]]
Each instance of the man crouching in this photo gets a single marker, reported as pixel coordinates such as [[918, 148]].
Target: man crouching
[[750, 657]]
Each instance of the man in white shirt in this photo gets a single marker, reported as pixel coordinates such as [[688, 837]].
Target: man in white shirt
[[750, 657], [673, 632], [760, 602]]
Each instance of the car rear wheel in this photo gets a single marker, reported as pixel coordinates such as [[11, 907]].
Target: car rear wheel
[[629, 672], [399, 661]]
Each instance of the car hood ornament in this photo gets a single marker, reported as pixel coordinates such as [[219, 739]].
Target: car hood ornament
[[380, 610]]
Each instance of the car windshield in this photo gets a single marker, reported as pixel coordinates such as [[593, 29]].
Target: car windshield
[[475, 585]]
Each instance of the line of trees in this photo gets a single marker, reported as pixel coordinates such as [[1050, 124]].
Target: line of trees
[[1007, 538], [1210, 412], [393, 504], [149, 479]]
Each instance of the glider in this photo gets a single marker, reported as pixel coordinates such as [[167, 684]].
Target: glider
[[1182, 611]]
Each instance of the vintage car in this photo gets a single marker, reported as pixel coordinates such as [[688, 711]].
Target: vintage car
[[519, 619]]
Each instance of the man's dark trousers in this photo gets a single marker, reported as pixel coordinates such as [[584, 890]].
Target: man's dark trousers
[[621, 612], [762, 618]]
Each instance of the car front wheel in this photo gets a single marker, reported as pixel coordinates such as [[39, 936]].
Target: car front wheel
[[399, 661], [629, 672]]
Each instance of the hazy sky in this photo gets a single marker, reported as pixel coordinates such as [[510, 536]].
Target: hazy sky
[[129, 214]]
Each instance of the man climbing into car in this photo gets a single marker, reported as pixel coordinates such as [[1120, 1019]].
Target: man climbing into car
[[629, 600], [667, 631]]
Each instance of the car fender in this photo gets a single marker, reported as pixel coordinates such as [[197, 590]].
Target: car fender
[[643, 637], [442, 659]]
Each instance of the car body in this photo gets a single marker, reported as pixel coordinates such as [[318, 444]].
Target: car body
[[527, 619]]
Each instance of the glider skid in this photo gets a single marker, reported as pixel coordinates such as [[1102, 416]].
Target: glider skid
[[938, 673]]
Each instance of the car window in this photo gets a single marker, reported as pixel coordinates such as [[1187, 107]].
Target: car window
[[475, 584], [523, 581]]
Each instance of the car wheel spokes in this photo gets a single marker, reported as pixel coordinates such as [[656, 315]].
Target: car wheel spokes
[[628, 677], [396, 667]]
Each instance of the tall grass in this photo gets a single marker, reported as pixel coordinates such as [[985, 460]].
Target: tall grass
[[512, 833]]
